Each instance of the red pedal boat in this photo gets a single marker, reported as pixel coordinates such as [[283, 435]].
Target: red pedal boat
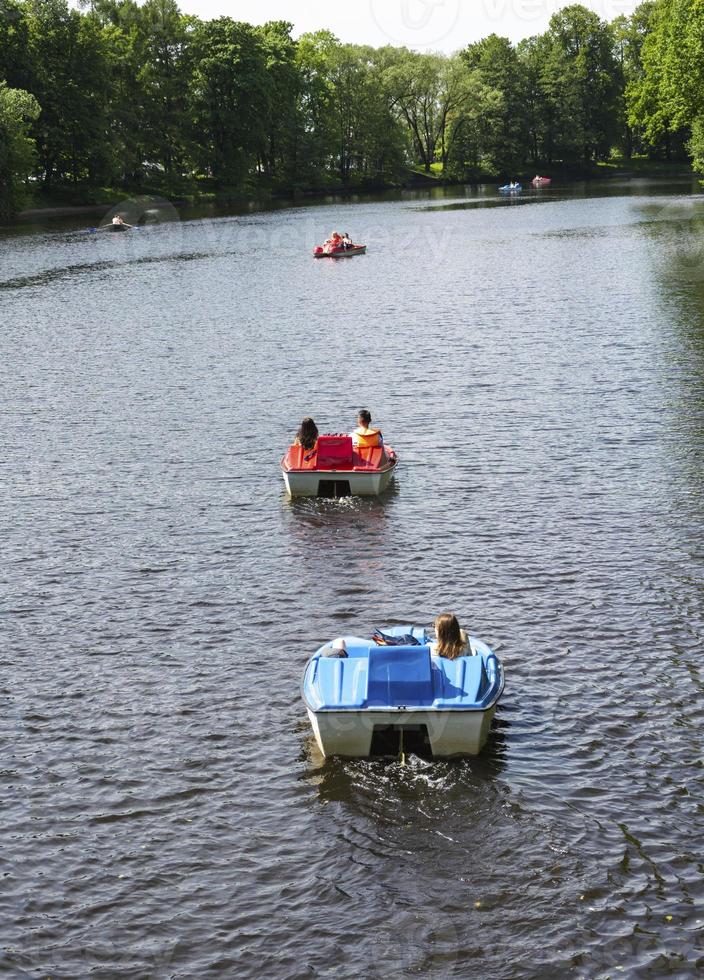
[[339, 253], [337, 469], [541, 181]]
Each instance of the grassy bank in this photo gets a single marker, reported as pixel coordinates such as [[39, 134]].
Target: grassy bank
[[637, 166]]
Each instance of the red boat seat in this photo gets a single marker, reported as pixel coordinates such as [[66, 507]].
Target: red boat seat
[[334, 452], [369, 457], [295, 459]]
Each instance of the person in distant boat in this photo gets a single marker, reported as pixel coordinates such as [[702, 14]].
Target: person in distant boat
[[307, 435], [334, 241], [118, 219], [347, 241], [451, 641], [364, 436]]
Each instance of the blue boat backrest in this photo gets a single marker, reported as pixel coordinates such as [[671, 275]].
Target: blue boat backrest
[[461, 681], [341, 683], [399, 676]]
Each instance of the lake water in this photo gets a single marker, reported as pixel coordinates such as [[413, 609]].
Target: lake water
[[538, 364]]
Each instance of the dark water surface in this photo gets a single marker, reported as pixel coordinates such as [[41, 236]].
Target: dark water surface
[[539, 366]]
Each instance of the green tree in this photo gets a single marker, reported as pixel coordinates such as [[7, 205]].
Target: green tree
[[314, 142], [164, 77], [538, 109], [278, 146], [666, 99], [15, 66], [228, 98], [581, 70], [18, 109], [500, 68], [71, 84], [629, 35], [424, 90], [345, 112], [348, 76], [472, 129], [124, 38]]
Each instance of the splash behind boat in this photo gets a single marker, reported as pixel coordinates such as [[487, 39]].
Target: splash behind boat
[[335, 468], [380, 695]]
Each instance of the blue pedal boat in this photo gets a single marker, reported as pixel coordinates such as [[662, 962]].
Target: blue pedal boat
[[400, 696]]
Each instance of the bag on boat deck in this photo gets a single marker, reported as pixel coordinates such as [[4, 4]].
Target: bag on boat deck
[[385, 640]]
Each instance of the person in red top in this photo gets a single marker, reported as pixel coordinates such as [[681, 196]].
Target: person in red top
[[333, 242]]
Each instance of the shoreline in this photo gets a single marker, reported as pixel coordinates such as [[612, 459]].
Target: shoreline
[[260, 203], [59, 211]]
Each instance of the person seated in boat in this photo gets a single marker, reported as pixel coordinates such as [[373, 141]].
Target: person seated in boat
[[347, 241], [333, 242], [451, 640], [307, 435], [364, 437], [118, 220]]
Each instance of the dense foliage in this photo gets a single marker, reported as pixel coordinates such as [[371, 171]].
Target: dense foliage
[[136, 95], [17, 110]]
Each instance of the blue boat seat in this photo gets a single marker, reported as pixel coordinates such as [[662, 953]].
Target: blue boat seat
[[399, 676], [460, 681], [341, 683]]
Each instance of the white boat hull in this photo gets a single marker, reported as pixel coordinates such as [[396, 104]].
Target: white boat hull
[[349, 733], [306, 483]]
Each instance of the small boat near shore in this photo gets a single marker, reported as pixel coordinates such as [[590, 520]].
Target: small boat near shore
[[113, 226], [335, 468], [538, 181], [341, 252], [363, 699], [511, 188]]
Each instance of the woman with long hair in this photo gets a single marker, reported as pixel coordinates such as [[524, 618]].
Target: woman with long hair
[[452, 641], [307, 435]]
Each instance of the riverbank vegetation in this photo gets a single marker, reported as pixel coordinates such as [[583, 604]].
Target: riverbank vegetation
[[127, 97]]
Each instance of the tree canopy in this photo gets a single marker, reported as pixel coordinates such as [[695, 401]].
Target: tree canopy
[[133, 94], [17, 111]]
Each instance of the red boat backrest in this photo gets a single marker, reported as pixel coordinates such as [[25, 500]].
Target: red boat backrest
[[296, 458], [370, 455], [334, 450]]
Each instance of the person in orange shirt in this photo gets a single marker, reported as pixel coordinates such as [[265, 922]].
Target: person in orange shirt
[[364, 436]]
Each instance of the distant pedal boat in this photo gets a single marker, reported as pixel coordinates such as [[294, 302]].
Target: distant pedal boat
[[339, 253], [401, 691], [337, 469]]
